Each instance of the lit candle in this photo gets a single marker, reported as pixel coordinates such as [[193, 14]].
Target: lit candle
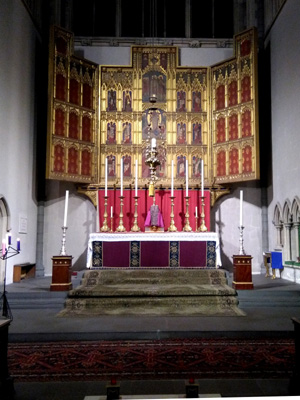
[[3, 247], [66, 208], [241, 208], [111, 212], [136, 178], [121, 176], [172, 179], [202, 178], [18, 244], [153, 143], [187, 177], [105, 176], [196, 212]]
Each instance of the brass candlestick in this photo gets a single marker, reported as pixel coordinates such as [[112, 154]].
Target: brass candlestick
[[196, 220], [187, 226], [172, 227], [111, 223], [202, 227], [135, 227], [121, 227], [105, 227]]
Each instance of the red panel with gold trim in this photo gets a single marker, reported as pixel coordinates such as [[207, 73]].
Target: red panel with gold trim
[[234, 114], [72, 153]]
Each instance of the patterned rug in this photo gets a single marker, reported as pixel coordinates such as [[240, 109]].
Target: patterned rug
[[152, 359], [148, 291]]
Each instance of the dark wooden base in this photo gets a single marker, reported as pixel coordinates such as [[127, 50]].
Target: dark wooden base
[[242, 272], [61, 273]]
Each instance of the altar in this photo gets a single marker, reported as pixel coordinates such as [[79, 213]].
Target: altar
[[168, 249]]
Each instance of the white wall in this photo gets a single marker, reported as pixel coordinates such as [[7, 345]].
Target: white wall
[[17, 177], [285, 80]]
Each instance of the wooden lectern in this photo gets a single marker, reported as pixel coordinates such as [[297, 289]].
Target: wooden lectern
[[61, 273], [242, 272]]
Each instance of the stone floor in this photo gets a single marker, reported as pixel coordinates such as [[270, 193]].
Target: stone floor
[[269, 309]]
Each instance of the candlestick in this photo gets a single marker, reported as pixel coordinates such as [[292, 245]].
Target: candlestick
[[202, 227], [242, 251], [135, 227], [241, 208], [172, 179], [63, 241], [66, 208], [202, 178], [187, 177], [121, 176], [121, 227], [187, 227], [105, 193], [136, 178], [172, 227], [105, 227]]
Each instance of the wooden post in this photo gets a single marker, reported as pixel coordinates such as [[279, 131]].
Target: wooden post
[[242, 272], [61, 273]]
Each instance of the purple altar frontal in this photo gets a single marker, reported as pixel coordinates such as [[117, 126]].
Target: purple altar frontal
[[168, 249]]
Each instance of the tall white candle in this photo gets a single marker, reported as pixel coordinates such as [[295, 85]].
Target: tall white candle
[[187, 177], [202, 178], [136, 178], [121, 176], [241, 208], [196, 212], [172, 179], [105, 176], [66, 208], [111, 211]]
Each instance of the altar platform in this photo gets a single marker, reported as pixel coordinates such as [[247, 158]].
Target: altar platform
[[164, 249]]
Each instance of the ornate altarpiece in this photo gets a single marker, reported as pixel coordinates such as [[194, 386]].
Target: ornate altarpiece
[[207, 113]]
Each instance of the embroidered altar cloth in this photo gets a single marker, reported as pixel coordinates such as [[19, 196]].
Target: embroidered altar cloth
[[168, 249]]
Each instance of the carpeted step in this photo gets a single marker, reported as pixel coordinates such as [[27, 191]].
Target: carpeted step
[[153, 292], [154, 276]]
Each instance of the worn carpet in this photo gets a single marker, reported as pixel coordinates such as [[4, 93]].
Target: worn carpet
[[148, 291], [152, 359]]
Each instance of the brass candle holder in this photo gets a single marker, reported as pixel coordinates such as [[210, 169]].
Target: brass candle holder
[[111, 223], [202, 227], [121, 227], [135, 227], [172, 227], [187, 226], [105, 227], [196, 223]]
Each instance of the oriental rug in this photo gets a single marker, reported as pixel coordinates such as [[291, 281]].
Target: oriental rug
[[148, 291], [200, 358]]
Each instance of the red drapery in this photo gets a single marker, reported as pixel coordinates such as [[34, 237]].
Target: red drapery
[[162, 199]]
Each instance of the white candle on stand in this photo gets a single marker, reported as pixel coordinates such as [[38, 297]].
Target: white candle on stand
[[105, 177], [172, 179], [202, 178], [241, 208], [66, 208], [136, 178], [121, 176], [187, 177], [111, 212], [196, 212]]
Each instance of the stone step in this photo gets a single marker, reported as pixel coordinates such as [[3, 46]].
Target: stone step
[[268, 298]]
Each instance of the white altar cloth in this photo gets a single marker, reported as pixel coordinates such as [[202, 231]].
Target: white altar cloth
[[152, 236]]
